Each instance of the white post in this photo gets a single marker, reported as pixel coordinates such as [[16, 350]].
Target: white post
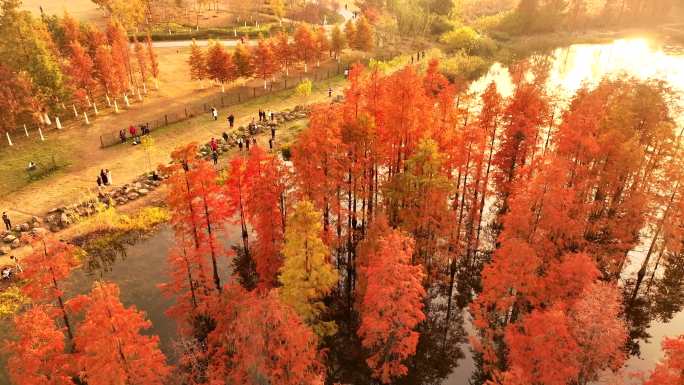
[[95, 108], [8, 139], [235, 32], [40, 117], [116, 107], [144, 88], [223, 88], [245, 23], [58, 123], [75, 112], [109, 102], [85, 116], [139, 96], [128, 104], [42, 138], [25, 130], [63, 106], [88, 100], [47, 119], [156, 84]]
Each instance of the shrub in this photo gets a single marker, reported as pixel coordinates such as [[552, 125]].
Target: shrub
[[304, 88], [463, 66], [463, 38]]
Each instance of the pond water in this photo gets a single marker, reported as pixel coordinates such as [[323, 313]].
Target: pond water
[[444, 357]]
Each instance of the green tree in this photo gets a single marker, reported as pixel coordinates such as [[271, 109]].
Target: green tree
[[307, 276]]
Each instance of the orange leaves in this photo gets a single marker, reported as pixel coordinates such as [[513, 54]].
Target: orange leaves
[[111, 349], [392, 306], [267, 342], [38, 354], [670, 371], [49, 263]]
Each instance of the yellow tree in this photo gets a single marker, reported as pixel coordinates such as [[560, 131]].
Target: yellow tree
[[307, 275]]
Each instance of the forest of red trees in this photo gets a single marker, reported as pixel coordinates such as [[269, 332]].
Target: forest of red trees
[[394, 198]]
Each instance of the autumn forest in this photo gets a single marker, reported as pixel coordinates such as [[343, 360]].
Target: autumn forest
[[396, 214]]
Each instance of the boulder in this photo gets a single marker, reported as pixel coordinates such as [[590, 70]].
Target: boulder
[[4, 250], [64, 220], [15, 244], [25, 227], [9, 238], [143, 191], [132, 195], [35, 220], [39, 231]]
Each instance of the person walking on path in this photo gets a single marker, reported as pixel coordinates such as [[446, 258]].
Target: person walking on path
[[103, 177], [240, 144], [231, 120], [214, 113], [109, 177], [134, 133], [6, 220]]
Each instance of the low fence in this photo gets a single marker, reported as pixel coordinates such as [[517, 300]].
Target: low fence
[[232, 96]]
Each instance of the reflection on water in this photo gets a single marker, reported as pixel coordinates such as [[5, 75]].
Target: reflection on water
[[582, 64]]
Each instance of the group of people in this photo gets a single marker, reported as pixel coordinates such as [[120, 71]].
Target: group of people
[[265, 116], [419, 55], [133, 132], [104, 179]]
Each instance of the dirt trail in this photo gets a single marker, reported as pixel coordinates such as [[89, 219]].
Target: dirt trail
[[126, 162]]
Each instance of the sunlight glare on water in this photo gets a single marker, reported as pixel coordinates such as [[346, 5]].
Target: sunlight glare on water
[[580, 64]]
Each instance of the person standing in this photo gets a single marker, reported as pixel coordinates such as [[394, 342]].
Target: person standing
[[214, 157], [103, 177], [231, 120], [272, 116], [122, 136], [6, 220], [134, 133], [240, 144], [109, 177], [330, 92], [99, 182], [273, 133], [214, 113], [247, 144], [214, 145]]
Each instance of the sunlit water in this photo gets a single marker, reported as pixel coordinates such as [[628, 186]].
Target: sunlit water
[[145, 264]]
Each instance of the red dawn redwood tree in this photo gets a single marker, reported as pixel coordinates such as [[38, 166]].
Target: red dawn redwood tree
[[267, 210], [111, 349], [283, 51], [154, 62], [392, 306], [237, 186], [15, 98], [141, 59], [38, 355], [264, 61], [304, 45], [81, 69], [197, 62], [220, 66], [267, 341], [48, 265], [106, 73], [242, 57]]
